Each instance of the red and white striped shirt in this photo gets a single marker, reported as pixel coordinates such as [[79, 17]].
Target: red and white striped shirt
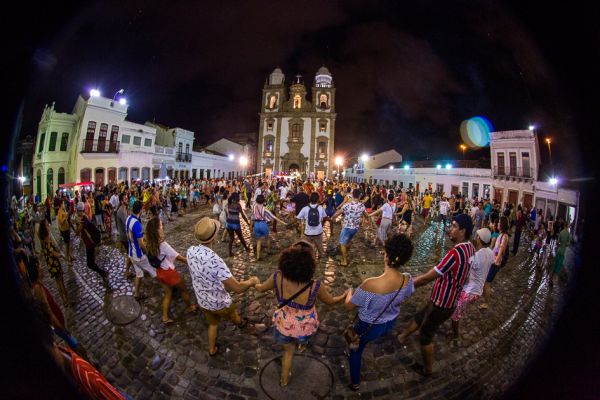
[[454, 271]]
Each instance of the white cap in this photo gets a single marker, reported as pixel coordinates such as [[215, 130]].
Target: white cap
[[485, 235]]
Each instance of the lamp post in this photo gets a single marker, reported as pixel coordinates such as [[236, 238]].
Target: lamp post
[[463, 148], [338, 161], [120, 91]]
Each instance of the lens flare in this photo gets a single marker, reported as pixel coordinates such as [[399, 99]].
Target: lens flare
[[475, 132]]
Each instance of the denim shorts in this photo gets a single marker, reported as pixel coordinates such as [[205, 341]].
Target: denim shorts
[[282, 339], [261, 229], [346, 235], [233, 227]]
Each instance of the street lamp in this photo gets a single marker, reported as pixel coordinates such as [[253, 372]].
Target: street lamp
[[94, 93], [548, 141], [339, 161], [244, 163], [463, 148], [120, 91], [553, 181]]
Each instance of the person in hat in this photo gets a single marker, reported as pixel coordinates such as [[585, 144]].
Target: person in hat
[[212, 279], [450, 275], [480, 267]]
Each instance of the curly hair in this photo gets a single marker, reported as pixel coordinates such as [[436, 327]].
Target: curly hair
[[297, 263], [399, 249]]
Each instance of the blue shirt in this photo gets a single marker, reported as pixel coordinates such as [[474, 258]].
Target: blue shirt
[[134, 233], [371, 304]]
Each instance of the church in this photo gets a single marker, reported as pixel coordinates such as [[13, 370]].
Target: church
[[296, 135]]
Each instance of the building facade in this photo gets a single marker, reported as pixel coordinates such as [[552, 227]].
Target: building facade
[[296, 134], [95, 143], [512, 178]]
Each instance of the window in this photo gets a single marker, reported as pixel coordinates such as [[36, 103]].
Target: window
[[91, 130], [410, 185], [500, 163], [270, 126], [401, 185], [269, 145], [297, 101], [323, 127], [513, 163], [114, 134], [486, 191], [147, 142], [180, 148], [123, 174], [395, 183], [135, 173], [49, 181], [295, 132], [322, 147], [187, 148], [64, 141], [137, 140], [476, 190], [41, 144], [53, 137], [526, 165], [465, 189], [85, 175], [125, 139], [61, 176], [273, 101], [38, 178], [323, 101]]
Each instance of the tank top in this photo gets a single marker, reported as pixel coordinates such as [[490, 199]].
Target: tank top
[[233, 213], [293, 319]]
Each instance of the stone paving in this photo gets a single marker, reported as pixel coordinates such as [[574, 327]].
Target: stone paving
[[148, 360]]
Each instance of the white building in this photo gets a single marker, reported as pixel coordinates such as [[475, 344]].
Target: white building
[[513, 177], [296, 134], [231, 148], [96, 143]]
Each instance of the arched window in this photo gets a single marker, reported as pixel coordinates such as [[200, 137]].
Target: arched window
[[85, 175], [123, 174], [322, 146], [89, 136], [145, 173], [64, 141], [114, 136], [135, 173], [49, 181], [61, 176], [53, 138], [323, 101], [269, 145], [102, 137], [273, 101], [297, 101], [112, 175]]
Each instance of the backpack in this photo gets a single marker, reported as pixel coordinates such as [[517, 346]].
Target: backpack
[[93, 232], [314, 218]]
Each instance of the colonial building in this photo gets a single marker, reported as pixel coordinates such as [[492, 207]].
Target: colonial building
[[513, 177], [96, 143], [296, 134]]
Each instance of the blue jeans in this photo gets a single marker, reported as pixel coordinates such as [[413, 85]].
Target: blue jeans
[[376, 331], [346, 235]]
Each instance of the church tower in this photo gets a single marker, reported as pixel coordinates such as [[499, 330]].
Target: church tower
[[295, 134]]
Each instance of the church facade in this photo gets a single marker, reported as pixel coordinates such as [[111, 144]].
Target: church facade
[[296, 135]]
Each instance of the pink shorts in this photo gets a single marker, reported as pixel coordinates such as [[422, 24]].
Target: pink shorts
[[463, 302]]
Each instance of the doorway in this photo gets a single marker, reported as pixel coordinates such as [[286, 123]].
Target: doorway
[[99, 177], [499, 195], [513, 197]]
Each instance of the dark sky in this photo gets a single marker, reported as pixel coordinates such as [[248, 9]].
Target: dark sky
[[406, 74]]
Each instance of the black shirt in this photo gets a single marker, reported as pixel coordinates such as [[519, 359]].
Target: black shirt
[[301, 200]]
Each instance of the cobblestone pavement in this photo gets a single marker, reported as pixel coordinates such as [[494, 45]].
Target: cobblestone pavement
[[148, 360]]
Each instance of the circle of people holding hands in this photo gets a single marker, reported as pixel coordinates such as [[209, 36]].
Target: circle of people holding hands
[[479, 230]]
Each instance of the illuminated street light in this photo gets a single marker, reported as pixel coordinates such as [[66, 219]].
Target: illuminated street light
[[463, 148], [531, 127], [439, 166], [22, 179], [364, 157], [391, 167], [549, 141], [407, 167], [339, 161], [122, 101], [553, 181], [448, 166], [94, 93], [243, 161], [231, 157]]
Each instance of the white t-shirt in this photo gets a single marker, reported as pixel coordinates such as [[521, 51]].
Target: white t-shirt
[[480, 266], [444, 207], [165, 250], [283, 190], [312, 230], [474, 210], [387, 210], [208, 272], [114, 201]]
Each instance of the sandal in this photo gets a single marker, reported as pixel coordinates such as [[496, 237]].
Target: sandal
[[192, 309], [354, 388], [483, 306], [301, 348], [167, 321], [216, 351]]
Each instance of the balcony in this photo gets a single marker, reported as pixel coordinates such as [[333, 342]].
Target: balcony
[[268, 154], [99, 146], [513, 173], [321, 156], [183, 157]]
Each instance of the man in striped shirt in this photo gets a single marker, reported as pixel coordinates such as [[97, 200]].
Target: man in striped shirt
[[450, 275]]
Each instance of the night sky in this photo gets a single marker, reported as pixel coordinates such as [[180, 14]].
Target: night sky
[[406, 74]]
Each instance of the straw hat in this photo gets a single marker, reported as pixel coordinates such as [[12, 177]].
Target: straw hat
[[206, 229]]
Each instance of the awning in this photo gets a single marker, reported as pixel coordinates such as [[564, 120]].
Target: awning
[[67, 185]]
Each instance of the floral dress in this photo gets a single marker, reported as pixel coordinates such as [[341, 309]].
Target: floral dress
[[53, 263]]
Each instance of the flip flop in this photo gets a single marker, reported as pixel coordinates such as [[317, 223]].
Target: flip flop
[[168, 321]]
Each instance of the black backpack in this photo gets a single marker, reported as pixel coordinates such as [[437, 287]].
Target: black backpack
[[314, 218], [93, 232]]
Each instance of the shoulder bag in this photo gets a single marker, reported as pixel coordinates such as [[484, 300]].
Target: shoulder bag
[[353, 338]]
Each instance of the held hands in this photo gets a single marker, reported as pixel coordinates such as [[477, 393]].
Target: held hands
[[254, 281]]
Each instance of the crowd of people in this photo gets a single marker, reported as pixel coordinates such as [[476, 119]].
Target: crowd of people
[[481, 229]]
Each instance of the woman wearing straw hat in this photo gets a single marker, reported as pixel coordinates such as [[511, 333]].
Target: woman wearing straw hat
[[212, 280]]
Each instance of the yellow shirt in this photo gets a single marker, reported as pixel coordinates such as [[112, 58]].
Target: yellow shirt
[[63, 220], [427, 201]]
